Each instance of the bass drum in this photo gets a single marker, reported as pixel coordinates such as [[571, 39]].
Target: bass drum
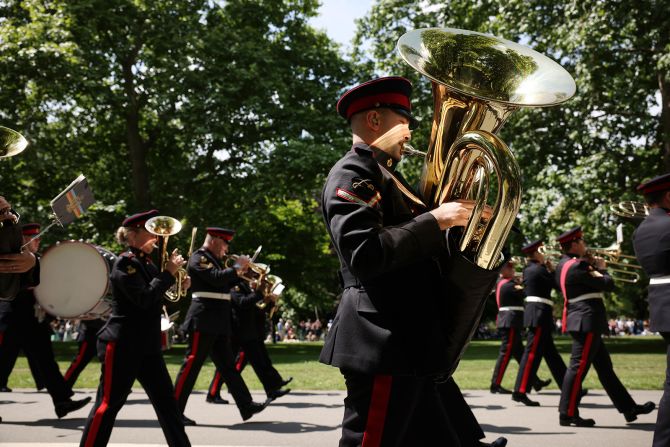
[[74, 281]]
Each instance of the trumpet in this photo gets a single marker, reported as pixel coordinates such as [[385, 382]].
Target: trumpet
[[623, 267], [163, 227]]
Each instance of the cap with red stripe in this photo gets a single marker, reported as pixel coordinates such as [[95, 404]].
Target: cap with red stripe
[[392, 92], [223, 233], [570, 235], [532, 247], [660, 183], [138, 220], [30, 229]]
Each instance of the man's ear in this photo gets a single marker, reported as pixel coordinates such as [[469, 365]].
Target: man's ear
[[372, 118]]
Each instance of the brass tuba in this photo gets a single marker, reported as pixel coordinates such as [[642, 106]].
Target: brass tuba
[[164, 227], [478, 80], [11, 142]]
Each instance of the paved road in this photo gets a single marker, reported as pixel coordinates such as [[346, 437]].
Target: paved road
[[308, 419]]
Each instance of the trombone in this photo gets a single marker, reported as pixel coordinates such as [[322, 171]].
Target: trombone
[[634, 211], [164, 227], [623, 268]]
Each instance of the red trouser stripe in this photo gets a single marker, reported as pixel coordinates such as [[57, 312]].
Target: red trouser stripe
[[379, 402], [508, 353], [530, 360], [213, 389], [577, 384], [240, 361], [187, 367], [564, 276], [77, 361], [107, 391]]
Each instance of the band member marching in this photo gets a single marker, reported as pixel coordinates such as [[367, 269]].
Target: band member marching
[[386, 244], [651, 241], [208, 322], [248, 342], [509, 298], [35, 336], [87, 340], [129, 344], [538, 283], [582, 281]]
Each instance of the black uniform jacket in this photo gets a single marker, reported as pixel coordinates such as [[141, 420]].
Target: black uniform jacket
[[538, 281], [209, 315], [248, 318], [582, 278], [509, 293], [11, 240], [137, 300], [391, 318], [23, 303], [651, 241]]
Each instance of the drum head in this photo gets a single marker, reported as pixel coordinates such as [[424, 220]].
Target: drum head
[[74, 276]]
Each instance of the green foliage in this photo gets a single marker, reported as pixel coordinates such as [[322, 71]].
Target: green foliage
[[579, 157], [217, 113]]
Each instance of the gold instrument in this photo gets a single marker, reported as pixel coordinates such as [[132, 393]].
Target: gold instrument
[[622, 267], [270, 286], [478, 80], [163, 227], [634, 211], [11, 142]]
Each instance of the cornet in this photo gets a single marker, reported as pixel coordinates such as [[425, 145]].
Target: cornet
[[163, 227]]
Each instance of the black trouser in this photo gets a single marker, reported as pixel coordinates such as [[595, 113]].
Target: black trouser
[[10, 346], [87, 351], [587, 348], [662, 431], [539, 345], [124, 361], [218, 347], [254, 352], [510, 347], [462, 419], [382, 410]]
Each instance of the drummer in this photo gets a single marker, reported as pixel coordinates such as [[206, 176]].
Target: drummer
[[129, 345], [35, 337]]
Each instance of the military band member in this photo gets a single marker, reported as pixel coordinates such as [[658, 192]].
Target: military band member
[[129, 344], [248, 342], [538, 282], [652, 248], [582, 281], [208, 321], [387, 243], [35, 337]]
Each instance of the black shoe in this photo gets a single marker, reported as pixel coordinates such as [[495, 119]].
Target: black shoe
[[583, 392], [5, 389], [286, 382], [187, 421], [539, 384], [216, 400], [500, 442], [499, 389], [251, 409], [523, 398], [632, 414], [577, 421], [63, 408], [276, 394]]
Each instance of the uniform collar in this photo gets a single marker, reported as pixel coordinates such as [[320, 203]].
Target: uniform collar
[[140, 254], [380, 156]]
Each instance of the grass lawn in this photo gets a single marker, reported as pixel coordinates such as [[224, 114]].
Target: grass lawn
[[639, 362]]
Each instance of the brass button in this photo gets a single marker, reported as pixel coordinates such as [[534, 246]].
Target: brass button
[[389, 162]]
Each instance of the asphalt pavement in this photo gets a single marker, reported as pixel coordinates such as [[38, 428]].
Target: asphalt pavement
[[312, 418]]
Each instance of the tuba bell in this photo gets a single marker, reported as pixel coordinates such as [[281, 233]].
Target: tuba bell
[[478, 80], [11, 142]]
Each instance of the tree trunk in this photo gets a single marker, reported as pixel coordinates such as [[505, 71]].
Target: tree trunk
[[665, 119], [137, 147]]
